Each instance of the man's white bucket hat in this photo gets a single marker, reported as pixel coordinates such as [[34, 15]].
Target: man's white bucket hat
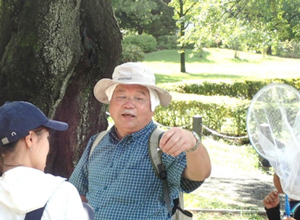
[[131, 73]]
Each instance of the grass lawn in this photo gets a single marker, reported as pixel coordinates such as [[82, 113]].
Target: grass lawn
[[219, 64]]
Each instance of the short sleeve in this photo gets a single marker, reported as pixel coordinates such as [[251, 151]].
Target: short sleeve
[[79, 177]]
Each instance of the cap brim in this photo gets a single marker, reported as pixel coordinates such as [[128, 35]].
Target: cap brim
[[56, 125], [99, 91]]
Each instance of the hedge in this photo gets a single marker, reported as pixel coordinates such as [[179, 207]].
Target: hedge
[[222, 105]]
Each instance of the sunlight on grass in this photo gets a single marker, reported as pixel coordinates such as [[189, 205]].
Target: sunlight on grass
[[217, 204], [230, 156], [183, 77], [196, 200], [219, 64], [224, 154], [219, 216]]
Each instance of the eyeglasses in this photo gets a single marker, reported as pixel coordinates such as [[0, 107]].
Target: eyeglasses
[[134, 100]]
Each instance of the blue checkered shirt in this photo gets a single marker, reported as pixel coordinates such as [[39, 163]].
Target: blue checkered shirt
[[119, 181]]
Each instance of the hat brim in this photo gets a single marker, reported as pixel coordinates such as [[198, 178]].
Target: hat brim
[[99, 91], [56, 125]]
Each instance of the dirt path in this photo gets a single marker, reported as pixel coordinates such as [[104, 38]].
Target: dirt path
[[237, 188]]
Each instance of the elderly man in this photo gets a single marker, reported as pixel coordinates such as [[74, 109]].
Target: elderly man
[[118, 179]]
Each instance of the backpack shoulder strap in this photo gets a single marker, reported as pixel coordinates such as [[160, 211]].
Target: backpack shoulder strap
[[295, 208], [155, 153], [97, 141], [35, 214], [155, 156], [156, 159]]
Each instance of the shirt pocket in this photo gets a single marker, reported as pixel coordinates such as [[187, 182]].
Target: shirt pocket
[[136, 186]]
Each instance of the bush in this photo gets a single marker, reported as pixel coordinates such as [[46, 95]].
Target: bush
[[223, 105], [132, 53], [146, 42], [167, 42], [223, 114], [236, 89], [288, 49]]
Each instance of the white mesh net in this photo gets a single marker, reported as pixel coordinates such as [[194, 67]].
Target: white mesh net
[[273, 126]]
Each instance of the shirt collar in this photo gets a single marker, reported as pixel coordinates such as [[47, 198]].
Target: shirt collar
[[149, 127]]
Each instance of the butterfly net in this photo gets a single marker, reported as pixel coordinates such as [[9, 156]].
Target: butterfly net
[[273, 126]]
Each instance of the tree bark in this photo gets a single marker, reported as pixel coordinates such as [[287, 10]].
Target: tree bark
[[182, 33], [52, 54], [182, 61]]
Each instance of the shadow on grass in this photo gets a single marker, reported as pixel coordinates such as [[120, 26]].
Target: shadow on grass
[[200, 57], [280, 59], [238, 60], [162, 78]]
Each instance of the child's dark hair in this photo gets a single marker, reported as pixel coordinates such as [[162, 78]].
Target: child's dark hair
[[8, 147]]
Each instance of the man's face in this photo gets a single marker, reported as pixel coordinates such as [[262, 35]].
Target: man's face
[[130, 108]]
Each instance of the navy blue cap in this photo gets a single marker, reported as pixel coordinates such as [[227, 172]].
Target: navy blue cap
[[18, 118]]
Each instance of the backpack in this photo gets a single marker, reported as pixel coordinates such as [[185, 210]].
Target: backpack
[[295, 211], [38, 213], [35, 214], [178, 213]]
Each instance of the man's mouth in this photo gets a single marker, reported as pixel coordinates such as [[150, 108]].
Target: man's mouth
[[128, 113]]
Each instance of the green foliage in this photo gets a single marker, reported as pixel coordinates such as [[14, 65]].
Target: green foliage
[[184, 13], [132, 53], [133, 15], [227, 117], [289, 49], [144, 17], [164, 24], [237, 89], [146, 42], [167, 42], [240, 25], [222, 105]]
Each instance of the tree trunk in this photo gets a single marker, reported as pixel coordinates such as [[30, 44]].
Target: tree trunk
[[182, 33], [269, 50], [52, 54], [182, 61]]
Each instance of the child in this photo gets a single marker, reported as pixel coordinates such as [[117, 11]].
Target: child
[[272, 203], [24, 187]]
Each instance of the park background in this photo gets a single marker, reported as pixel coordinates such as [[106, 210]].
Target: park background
[[239, 182]]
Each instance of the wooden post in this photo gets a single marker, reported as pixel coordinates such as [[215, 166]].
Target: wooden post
[[197, 125], [265, 129]]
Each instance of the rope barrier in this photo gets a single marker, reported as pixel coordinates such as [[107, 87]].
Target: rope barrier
[[203, 126], [222, 135]]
